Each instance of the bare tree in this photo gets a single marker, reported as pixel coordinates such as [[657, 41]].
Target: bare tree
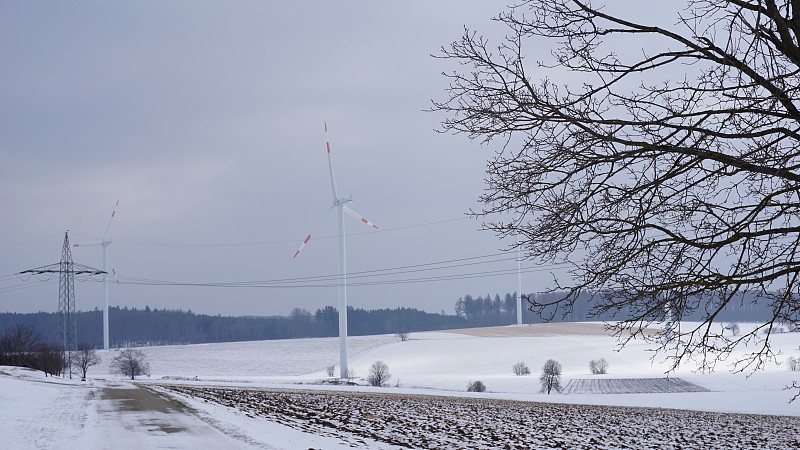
[[402, 335], [521, 368], [50, 359], [84, 358], [379, 374], [551, 376], [793, 363], [330, 370], [130, 363], [19, 344], [599, 366], [665, 178]]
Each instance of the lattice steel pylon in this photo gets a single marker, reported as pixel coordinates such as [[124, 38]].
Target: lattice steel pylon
[[66, 270]]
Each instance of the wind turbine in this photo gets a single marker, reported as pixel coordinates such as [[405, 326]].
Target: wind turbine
[[340, 204], [105, 242], [519, 283]]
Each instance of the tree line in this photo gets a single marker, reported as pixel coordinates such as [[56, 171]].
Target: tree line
[[495, 310], [132, 327]]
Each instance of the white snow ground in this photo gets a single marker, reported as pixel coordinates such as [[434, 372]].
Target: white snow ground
[[40, 412]]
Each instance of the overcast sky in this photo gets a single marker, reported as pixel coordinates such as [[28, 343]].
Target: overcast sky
[[205, 121]]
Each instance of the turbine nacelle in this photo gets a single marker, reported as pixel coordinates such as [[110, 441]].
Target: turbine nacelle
[[342, 201]]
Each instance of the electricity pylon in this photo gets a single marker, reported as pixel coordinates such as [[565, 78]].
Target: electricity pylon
[[66, 270]]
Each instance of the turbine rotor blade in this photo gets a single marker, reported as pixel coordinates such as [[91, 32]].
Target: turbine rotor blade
[[359, 217], [330, 165], [113, 213], [305, 241], [308, 238]]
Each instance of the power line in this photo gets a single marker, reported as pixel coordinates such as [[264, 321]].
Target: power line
[[358, 274], [284, 241], [30, 241], [373, 277], [328, 281], [19, 287], [451, 277], [444, 264]]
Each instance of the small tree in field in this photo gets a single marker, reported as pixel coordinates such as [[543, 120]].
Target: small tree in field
[[402, 335], [733, 327], [378, 374], [551, 376], [330, 370], [476, 386], [793, 363], [84, 358], [130, 362], [521, 368], [599, 366]]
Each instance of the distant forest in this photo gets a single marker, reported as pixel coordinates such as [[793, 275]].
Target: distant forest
[[495, 310], [142, 327]]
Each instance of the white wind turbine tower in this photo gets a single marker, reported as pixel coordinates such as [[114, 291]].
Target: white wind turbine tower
[[519, 283], [105, 242], [340, 204]]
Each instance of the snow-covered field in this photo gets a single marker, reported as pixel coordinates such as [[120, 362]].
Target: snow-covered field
[[424, 421], [42, 413]]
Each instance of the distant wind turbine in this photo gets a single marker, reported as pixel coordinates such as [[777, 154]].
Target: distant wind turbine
[[341, 205], [105, 242]]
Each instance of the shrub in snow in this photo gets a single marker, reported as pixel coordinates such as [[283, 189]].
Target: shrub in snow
[[330, 370], [777, 329], [378, 374], [402, 335], [599, 366], [551, 376], [793, 363], [733, 327], [476, 386], [521, 369]]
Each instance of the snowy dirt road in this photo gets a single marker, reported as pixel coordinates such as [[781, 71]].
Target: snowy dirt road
[[129, 416], [420, 421], [49, 413]]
